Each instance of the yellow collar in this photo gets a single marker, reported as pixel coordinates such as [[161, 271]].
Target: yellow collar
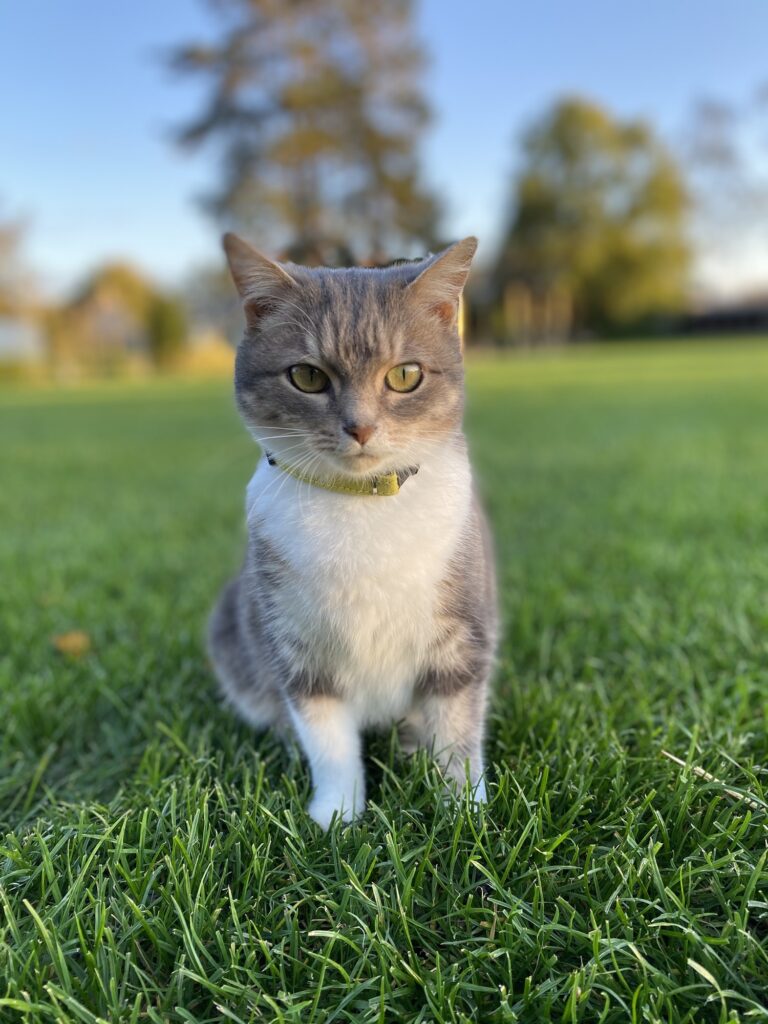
[[382, 486]]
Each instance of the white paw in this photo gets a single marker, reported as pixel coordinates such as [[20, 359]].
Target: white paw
[[324, 805]]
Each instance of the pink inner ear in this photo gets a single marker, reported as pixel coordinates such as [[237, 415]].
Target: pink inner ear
[[256, 309], [445, 311]]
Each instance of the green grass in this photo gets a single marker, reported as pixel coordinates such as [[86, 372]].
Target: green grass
[[157, 863]]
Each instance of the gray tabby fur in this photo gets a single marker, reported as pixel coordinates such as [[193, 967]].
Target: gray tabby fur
[[357, 611]]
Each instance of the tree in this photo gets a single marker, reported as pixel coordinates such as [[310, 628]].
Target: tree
[[598, 220], [116, 315], [116, 286], [166, 329], [315, 108]]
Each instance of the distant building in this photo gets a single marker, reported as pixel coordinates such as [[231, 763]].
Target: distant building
[[21, 342], [735, 316]]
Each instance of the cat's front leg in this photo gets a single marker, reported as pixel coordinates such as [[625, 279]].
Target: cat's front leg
[[450, 722], [330, 738]]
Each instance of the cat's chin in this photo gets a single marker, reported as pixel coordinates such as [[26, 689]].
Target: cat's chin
[[359, 465]]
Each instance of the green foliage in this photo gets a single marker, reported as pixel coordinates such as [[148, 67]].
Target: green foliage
[[159, 865], [599, 214], [117, 284], [166, 329], [316, 110], [117, 312]]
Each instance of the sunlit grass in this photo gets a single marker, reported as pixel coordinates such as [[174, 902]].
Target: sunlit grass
[[158, 863]]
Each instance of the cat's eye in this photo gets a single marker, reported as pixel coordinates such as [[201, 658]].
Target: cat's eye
[[405, 377], [308, 378]]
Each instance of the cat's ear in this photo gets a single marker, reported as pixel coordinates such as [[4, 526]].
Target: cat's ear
[[260, 281], [439, 286]]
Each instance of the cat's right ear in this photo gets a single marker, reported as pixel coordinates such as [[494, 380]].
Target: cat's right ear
[[438, 287], [260, 281]]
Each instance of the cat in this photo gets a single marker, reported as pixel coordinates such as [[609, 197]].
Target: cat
[[367, 596]]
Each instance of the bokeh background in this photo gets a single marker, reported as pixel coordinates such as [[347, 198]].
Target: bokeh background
[[156, 861], [614, 166]]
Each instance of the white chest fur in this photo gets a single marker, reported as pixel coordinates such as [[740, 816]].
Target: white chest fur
[[361, 588]]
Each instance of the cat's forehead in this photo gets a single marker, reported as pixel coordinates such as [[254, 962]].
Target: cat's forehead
[[356, 291], [358, 315]]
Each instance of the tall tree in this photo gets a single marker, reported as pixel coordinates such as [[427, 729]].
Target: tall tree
[[599, 217], [316, 110]]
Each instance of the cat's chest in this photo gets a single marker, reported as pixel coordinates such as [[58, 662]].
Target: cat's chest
[[362, 576]]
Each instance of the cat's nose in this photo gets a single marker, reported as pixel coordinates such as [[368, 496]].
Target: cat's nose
[[360, 434]]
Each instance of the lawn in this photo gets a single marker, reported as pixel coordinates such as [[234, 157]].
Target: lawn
[[157, 862]]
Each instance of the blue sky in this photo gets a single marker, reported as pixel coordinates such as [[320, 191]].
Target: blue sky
[[87, 108]]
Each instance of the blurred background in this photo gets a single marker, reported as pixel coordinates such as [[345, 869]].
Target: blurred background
[[612, 158], [614, 164]]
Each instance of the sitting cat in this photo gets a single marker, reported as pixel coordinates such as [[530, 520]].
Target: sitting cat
[[367, 593]]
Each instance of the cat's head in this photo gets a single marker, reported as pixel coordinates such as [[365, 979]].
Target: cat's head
[[355, 371]]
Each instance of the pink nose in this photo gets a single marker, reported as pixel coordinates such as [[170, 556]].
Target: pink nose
[[360, 434]]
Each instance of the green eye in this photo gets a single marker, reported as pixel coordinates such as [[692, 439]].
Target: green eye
[[308, 378], [405, 377]]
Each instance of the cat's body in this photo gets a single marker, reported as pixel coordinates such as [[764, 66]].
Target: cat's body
[[357, 610]]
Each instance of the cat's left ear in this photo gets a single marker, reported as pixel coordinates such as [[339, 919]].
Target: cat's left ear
[[439, 286], [260, 281]]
